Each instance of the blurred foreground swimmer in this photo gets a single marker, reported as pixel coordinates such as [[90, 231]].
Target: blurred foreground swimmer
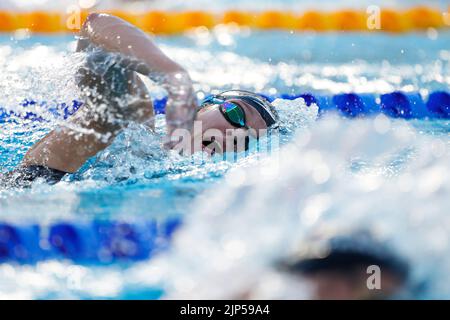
[[116, 54], [349, 267]]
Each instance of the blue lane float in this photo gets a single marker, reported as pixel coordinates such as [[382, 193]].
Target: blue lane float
[[26, 110], [395, 104], [97, 242], [439, 103], [401, 105]]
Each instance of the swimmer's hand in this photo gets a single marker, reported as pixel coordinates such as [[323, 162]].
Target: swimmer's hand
[[181, 107], [144, 56]]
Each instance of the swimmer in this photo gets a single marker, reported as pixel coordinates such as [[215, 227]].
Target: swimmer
[[337, 268], [114, 95]]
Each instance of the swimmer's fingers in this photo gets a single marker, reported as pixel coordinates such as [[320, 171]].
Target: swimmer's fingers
[[100, 61], [169, 143], [86, 78], [139, 110], [134, 65], [83, 44]]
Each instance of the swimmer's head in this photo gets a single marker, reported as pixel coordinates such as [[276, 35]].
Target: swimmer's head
[[241, 114], [338, 267]]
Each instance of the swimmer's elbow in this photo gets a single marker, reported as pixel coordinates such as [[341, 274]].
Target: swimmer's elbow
[[88, 24], [99, 19], [96, 24], [92, 17]]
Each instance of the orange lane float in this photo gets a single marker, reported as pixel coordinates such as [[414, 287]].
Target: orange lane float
[[392, 21], [275, 20], [40, 21], [7, 21], [313, 20], [238, 17], [348, 20], [194, 19], [423, 18], [172, 22], [73, 22], [158, 22]]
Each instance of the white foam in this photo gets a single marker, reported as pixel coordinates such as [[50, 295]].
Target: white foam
[[244, 229]]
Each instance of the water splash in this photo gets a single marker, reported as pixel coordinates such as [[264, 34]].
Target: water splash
[[316, 188]]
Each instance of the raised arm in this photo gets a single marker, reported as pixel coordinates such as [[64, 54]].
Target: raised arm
[[90, 130], [115, 34]]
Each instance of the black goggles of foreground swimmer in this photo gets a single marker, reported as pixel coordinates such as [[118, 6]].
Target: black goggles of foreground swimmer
[[235, 114]]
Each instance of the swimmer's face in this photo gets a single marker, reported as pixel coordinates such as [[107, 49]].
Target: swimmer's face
[[217, 131]]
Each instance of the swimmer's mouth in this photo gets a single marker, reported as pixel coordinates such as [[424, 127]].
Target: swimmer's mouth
[[210, 145]]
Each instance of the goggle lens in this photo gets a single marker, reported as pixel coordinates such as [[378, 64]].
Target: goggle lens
[[233, 113]]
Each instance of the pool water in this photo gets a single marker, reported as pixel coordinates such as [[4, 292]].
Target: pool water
[[134, 179]]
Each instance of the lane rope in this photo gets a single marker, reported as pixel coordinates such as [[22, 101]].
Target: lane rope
[[98, 242], [103, 242], [173, 22], [397, 104]]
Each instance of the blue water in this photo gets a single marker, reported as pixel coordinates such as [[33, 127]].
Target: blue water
[[134, 179]]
